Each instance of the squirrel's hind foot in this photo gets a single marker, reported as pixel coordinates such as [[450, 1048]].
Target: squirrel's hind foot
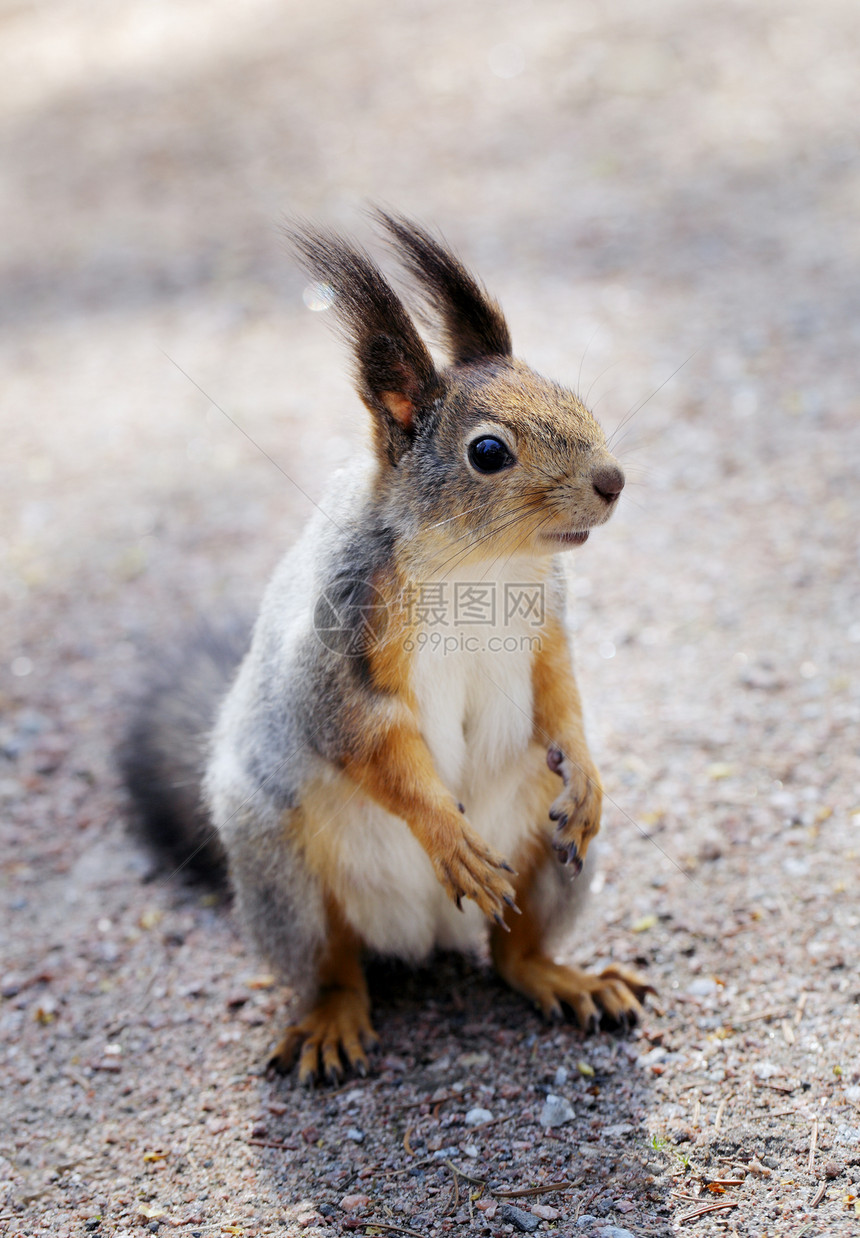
[[616, 993], [337, 1029], [520, 958]]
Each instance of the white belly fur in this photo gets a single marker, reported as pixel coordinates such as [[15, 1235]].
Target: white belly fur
[[475, 708]]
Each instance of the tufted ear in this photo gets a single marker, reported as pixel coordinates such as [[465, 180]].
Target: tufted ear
[[474, 325], [395, 374]]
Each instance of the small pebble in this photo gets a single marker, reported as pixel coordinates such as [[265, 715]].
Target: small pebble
[[523, 1221], [350, 1203], [545, 1212], [477, 1116], [613, 1231], [653, 1056], [560, 1078], [585, 1221], [556, 1112], [355, 1134], [767, 1070], [702, 986], [832, 1169]]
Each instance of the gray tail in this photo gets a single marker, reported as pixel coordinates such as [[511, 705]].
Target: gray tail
[[162, 756]]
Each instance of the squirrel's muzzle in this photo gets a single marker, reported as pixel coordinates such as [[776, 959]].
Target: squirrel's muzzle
[[608, 481]]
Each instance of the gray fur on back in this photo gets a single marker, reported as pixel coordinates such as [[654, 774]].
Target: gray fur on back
[[278, 727]]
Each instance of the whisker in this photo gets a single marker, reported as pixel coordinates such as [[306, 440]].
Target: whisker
[[492, 563], [508, 511], [457, 516], [471, 537], [597, 380], [464, 551], [623, 439], [554, 479], [582, 362], [528, 533], [603, 395], [470, 531], [631, 413]]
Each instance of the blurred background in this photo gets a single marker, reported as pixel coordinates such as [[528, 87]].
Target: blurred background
[[664, 196], [637, 182]]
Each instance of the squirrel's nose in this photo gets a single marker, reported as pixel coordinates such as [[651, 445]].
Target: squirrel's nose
[[608, 481]]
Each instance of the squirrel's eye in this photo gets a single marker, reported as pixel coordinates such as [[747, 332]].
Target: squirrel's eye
[[489, 455]]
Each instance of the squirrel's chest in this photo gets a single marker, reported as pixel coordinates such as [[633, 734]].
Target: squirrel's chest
[[473, 689]]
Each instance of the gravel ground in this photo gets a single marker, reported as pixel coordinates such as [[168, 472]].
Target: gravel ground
[[659, 194]]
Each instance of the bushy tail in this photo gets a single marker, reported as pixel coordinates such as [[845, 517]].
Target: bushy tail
[[162, 757]]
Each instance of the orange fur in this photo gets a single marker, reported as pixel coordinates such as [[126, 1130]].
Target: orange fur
[[521, 961], [338, 1023], [558, 724], [400, 406], [390, 658], [400, 775]]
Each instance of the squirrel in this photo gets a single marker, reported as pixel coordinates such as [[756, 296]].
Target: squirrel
[[399, 760]]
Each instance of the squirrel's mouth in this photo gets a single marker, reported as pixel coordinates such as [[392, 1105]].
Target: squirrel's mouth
[[568, 539]]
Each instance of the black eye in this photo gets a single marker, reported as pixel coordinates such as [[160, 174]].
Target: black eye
[[489, 455]]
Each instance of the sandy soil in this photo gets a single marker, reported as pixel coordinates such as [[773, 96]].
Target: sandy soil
[[665, 199]]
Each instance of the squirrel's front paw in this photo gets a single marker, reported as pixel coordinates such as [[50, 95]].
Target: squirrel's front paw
[[577, 810], [468, 868]]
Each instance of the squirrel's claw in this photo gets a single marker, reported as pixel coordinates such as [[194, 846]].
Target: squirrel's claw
[[615, 995], [336, 1031], [568, 854], [471, 869], [555, 759], [576, 815]]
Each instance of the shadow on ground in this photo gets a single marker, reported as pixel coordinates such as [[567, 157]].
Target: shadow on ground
[[454, 1123]]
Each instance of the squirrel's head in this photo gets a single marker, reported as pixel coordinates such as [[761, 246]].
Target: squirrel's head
[[482, 458]]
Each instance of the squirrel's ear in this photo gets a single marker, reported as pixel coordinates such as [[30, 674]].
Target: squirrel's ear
[[395, 374], [473, 324]]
